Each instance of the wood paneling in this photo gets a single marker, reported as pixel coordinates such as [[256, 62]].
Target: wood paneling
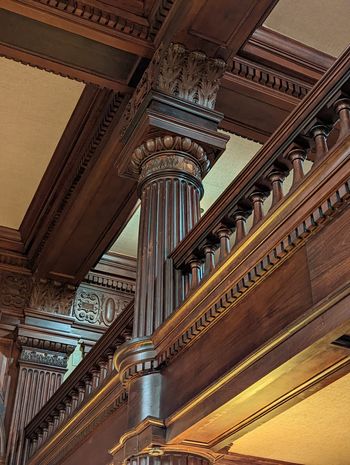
[[329, 257], [265, 311]]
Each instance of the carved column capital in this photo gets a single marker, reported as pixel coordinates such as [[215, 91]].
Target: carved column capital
[[169, 155], [179, 72]]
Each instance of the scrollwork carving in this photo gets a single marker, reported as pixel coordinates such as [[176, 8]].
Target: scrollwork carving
[[14, 290]]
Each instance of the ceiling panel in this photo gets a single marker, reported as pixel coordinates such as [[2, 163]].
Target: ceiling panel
[[321, 24], [34, 110], [313, 432]]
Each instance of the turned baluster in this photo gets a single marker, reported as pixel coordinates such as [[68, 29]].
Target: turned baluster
[[45, 430], [239, 218], [110, 355], [297, 157], [342, 108], [62, 413], [319, 134], [195, 266], [40, 437], [276, 178], [75, 399], [103, 366], [68, 404], [51, 425], [56, 419], [34, 444], [209, 254], [81, 392], [257, 199], [95, 372], [88, 384], [225, 247]]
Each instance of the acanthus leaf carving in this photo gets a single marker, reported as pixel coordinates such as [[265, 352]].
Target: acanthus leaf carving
[[51, 296]]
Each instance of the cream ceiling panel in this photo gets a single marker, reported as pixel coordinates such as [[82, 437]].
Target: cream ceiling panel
[[313, 432], [321, 24], [35, 107]]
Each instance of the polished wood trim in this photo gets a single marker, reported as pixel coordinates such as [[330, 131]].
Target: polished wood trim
[[282, 53]]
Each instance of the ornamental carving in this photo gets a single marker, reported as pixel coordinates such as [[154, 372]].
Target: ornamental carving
[[44, 358], [163, 163], [95, 307], [14, 290], [189, 149], [189, 75], [52, 297]]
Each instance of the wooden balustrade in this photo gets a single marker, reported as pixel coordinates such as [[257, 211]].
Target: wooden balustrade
[[320, 122], [87, 378]]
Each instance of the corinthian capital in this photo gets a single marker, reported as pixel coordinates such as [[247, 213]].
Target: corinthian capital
[[176, 71]]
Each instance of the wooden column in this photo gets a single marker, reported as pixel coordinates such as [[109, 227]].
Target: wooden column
[[42, 365], [170, 170]]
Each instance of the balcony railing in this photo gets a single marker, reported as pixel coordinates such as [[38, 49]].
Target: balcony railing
[[91, 374], [321, 121]]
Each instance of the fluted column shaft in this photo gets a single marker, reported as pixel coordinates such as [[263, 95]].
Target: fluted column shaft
[[170, 190]]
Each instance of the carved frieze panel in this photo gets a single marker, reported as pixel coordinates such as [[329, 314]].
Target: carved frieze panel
[[98, 307], [53, 297], [44, 357], [15, 290]]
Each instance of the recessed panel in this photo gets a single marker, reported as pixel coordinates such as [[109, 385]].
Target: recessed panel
[[35, 107], [321, 24]]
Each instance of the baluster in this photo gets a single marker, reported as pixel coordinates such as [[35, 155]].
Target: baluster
[[81, 392], [34, 444], [75, 399], [88, 384], [68, 404], [209, 254], [95, 377], [225, 247], [110, 355], [257, 198], [103, 365], [276, 178], [51, 425], [297, 157], [56, 419], [45, 429], [40, 437], [342, 108], [319, 134], [62, 413], [195, 265], [239, 218]]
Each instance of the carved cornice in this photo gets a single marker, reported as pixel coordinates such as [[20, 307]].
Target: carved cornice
[[267, 77], [110, 282], [85, 159], [108, 18], [42, 344], [176, 71]]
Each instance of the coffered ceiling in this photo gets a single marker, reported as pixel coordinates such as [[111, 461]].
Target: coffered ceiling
[[35, 108], [321, 24], [313, 432]]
